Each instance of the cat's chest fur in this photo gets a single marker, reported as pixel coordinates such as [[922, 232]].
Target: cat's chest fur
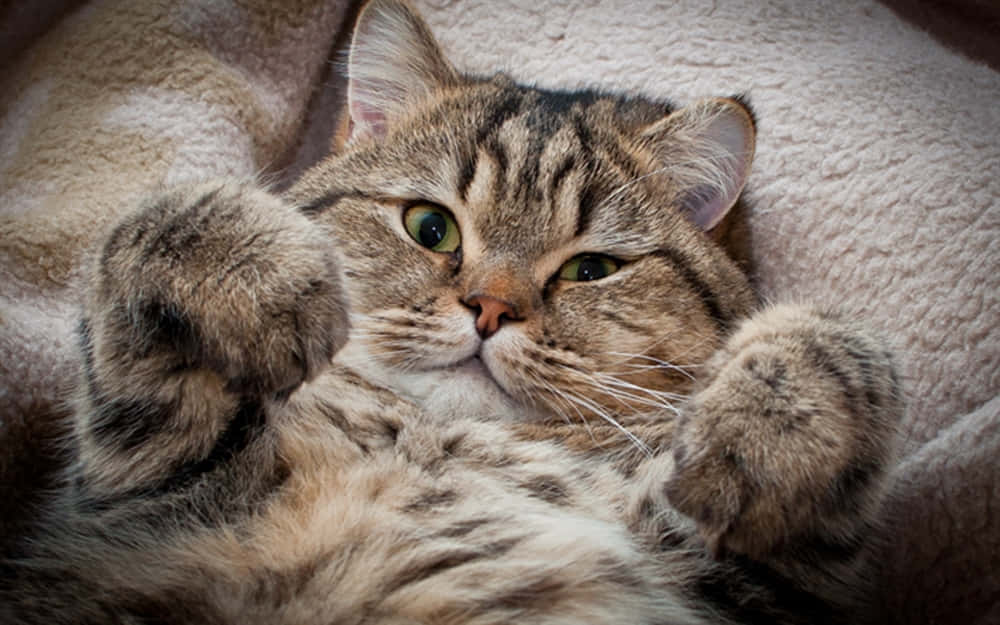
[[389, 492]]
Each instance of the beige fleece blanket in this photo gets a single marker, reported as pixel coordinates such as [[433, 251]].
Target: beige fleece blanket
[[876, 188]]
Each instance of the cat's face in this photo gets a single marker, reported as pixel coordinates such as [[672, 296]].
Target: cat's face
[[510, 251]]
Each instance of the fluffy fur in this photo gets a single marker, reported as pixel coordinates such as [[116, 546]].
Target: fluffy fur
[[554, 470]]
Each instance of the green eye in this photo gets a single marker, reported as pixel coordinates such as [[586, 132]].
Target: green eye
[[586, 267], [433, 227]]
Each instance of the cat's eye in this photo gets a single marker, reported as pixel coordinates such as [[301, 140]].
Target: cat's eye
[[433, 227], [586, 267]]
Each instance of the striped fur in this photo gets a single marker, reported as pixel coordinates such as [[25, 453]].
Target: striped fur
[[286, 413]]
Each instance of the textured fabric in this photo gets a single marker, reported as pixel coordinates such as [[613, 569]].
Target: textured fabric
[[876, 189]]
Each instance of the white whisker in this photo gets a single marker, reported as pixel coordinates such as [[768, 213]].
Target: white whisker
[[593, 407], [568, 401], [656, 363], [648, 397]]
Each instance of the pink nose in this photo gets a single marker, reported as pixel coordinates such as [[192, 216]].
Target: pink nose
[[490, 312]]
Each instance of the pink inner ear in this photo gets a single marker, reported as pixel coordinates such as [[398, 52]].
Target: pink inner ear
[[731, 138], [367, 120], [706, 206], [706, 214]]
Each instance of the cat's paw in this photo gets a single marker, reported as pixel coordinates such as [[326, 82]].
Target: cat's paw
[[789, 434], [227, 277]]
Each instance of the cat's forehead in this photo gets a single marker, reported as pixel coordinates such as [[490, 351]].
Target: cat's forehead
[[533, 168]]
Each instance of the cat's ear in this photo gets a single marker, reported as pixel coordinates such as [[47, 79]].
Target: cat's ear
[[394, 61], [706, 148]]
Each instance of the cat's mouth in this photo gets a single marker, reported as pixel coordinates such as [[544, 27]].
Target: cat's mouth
[[466, 387], [475, 367], [476, 373]]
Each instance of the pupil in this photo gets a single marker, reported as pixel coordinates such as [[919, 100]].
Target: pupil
[[591, 269], [433, 227]]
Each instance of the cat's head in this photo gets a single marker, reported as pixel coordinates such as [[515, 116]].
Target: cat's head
[[512, 249]]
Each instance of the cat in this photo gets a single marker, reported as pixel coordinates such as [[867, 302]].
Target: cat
[[496, 361]]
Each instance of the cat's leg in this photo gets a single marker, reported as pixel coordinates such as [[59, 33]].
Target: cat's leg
[[781, 457], [205, 304]]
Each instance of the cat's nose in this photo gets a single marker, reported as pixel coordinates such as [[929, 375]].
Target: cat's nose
[[490, 311]]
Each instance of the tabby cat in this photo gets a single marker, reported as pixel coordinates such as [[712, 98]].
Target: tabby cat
[[491, 364]]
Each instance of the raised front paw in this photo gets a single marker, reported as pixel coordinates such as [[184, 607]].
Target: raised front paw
[[227, 277], [789, 435]]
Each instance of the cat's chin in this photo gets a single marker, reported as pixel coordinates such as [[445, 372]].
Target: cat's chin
[[463, 390]]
